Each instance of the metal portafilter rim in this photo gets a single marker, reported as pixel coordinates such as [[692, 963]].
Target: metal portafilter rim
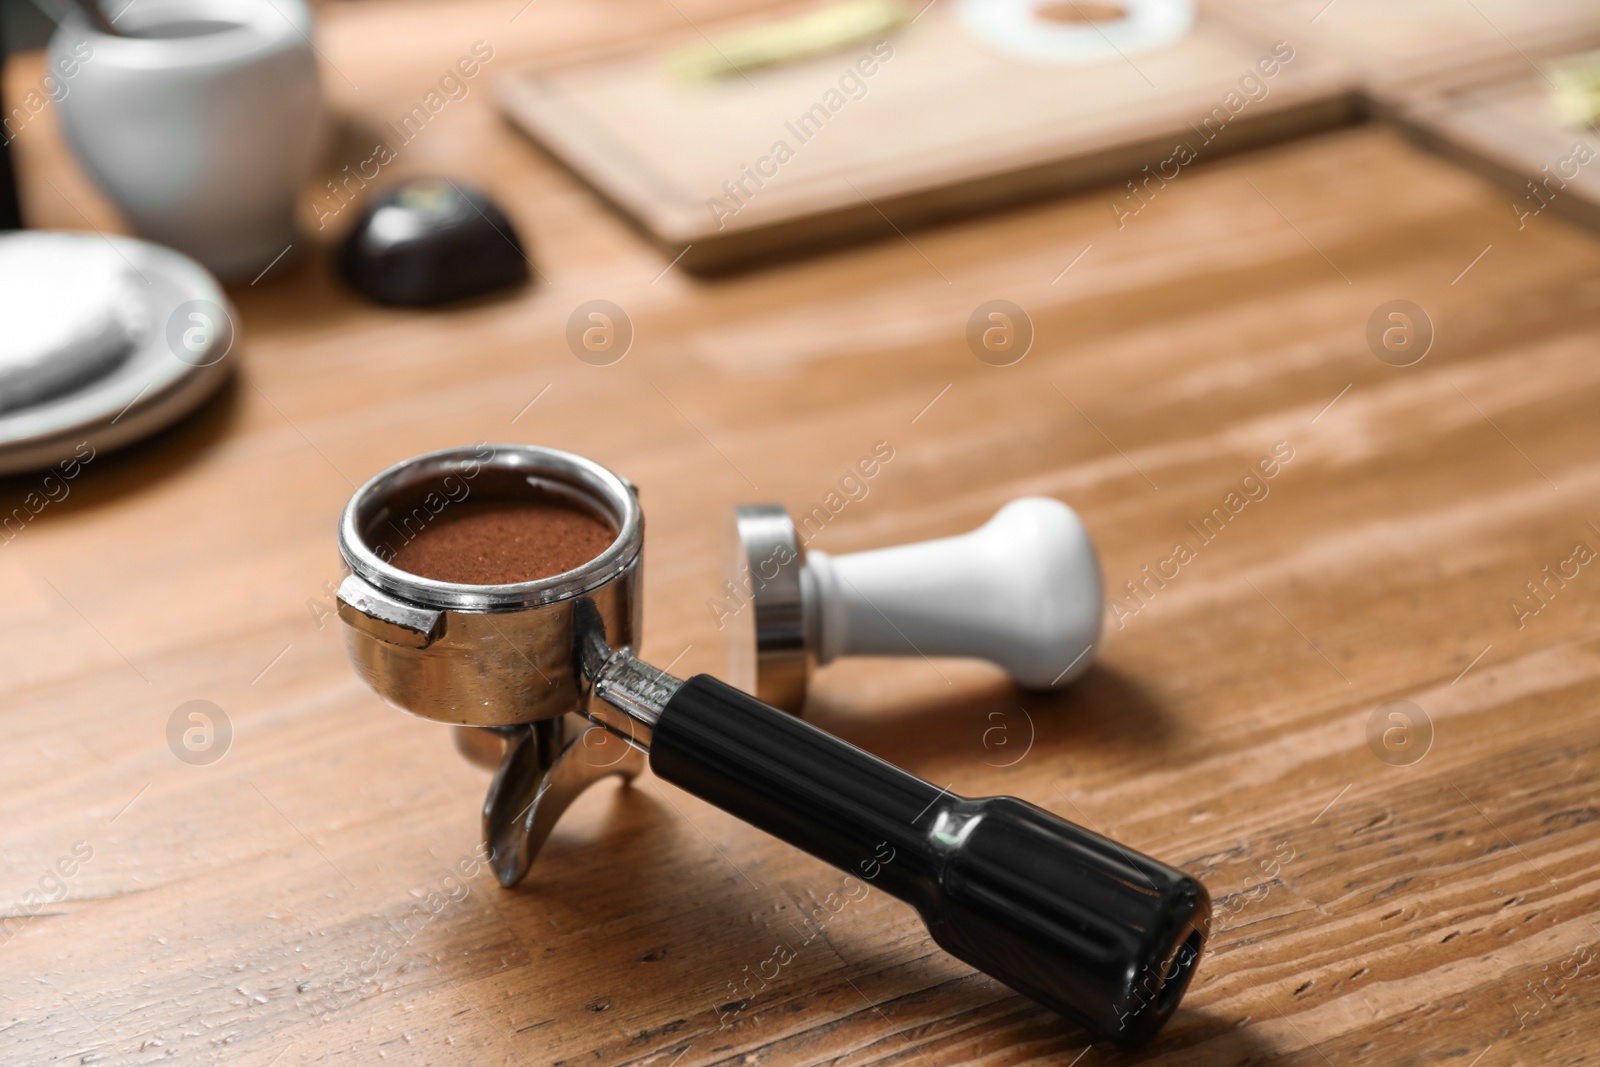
[[560, 474]]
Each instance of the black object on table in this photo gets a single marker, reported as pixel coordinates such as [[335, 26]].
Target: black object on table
[[431, 241], [10, 209]]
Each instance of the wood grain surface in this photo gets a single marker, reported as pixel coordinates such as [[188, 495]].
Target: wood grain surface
[[301, 899]]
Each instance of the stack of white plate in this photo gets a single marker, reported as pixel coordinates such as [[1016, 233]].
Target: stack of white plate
[[103, 340]]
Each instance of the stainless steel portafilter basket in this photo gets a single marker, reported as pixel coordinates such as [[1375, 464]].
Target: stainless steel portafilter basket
[[482, 655], [543, 673]]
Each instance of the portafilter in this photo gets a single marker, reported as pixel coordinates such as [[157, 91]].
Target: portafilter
[[1100, 933]]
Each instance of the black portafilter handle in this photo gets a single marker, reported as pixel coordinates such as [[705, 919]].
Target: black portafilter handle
[[1097, 932]]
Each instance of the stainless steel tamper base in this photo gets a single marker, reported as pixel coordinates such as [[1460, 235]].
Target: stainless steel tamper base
[[769, 654]]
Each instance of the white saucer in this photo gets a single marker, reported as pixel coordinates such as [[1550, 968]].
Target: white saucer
[[178, 360]]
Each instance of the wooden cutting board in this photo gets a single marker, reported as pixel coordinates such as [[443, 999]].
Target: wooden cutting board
[[821, 153], [1402, 48], [1463, 78], [1511, 133]]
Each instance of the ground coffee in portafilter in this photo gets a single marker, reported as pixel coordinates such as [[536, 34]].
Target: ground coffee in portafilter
[[500, 541]]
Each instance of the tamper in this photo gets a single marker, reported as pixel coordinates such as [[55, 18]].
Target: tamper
[[1095, 931], [1022, 591]]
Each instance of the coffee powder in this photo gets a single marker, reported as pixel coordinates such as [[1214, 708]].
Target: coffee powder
[[499, 541]]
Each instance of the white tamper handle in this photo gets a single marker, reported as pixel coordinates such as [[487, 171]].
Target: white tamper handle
[[1022, 591]]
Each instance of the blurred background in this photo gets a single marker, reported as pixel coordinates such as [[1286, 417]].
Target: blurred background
[[1293, 302]]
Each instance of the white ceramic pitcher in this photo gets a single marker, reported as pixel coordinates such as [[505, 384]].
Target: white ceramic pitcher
[[201, 125]]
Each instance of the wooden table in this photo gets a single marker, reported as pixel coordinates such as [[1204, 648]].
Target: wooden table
[[292, 902]]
